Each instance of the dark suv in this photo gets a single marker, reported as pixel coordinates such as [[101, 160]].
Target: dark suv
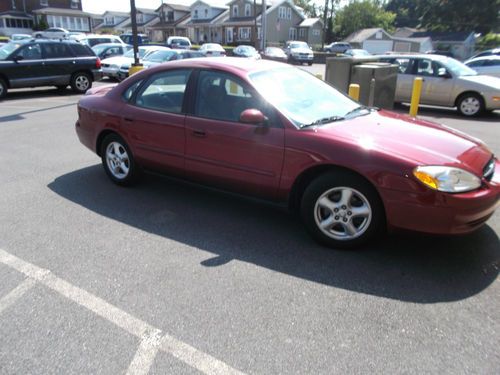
[[48, 63]]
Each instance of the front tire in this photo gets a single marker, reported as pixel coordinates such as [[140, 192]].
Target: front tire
[[342, 210], [470, 104], [81, 82], [118, 161]]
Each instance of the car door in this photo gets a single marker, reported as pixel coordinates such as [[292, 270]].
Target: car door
[[153, 121], [59, 61], [29, 67], [221, 150], [436, 89]]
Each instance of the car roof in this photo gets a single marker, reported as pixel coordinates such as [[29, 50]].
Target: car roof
[[414, 56], [111, 45], [489, 57], [234, 64]]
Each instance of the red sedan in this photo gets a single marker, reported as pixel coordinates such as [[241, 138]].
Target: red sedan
[[276, 132]]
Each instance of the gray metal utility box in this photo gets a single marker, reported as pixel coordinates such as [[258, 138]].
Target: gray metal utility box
[[385, 77], [338, 70]]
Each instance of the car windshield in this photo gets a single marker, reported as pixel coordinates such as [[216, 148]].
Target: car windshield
[[180, 42], [303, 98], [299, 45], [160, 56], [7, 49], [459, 69], [130, 53], [99, 48]]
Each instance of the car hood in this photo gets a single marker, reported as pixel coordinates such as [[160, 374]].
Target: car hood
[[482, 80], [301, 50], [415, 141], [117, 60]]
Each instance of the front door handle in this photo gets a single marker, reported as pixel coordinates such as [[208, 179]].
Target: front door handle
[[199, 133], [128, 119]]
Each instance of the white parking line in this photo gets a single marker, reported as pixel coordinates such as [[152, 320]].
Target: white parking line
[[16, 294], [151, 337], [145, 355]]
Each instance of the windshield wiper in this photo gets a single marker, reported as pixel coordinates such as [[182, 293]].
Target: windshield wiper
[[360, 108], [323, 120]]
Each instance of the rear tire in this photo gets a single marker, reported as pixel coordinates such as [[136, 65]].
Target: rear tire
[[470, 104], [118, 161], [3, 89], [342, 210], [81, 82]]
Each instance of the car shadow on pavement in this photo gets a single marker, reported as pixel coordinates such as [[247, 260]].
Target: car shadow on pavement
[[39, 93], [407, 267]]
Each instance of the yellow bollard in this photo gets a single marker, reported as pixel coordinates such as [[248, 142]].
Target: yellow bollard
[[134, 69], [415, 96], [319, 76], [354, 91]]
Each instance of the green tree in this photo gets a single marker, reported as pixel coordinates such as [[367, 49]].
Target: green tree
[[408, 12], [41, 24], [362, 14], [309, 7], [460, 15]]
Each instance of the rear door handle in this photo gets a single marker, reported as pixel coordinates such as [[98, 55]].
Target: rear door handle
[[199, 133], [128, 119]]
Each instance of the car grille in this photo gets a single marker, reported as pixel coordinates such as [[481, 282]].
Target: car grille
[[489, 169]]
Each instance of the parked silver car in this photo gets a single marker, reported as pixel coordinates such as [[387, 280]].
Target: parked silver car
[[487, 65], [446, 82]]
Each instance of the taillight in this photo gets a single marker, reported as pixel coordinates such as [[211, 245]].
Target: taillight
[[98, 63]]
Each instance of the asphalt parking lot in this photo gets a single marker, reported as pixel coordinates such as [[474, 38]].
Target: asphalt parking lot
[[172, 278]]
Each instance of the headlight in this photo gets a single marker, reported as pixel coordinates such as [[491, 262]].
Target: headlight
[[447, 179]]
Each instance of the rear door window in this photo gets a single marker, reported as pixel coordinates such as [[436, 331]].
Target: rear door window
[[164, 91], [82, 50], [56, 51]]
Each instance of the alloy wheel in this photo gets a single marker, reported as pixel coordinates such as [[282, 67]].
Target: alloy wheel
[[342, 213], [117, 160]]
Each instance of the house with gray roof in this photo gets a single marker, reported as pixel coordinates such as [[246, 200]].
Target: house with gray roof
[[206, 22], [311, 31], [172, 20]]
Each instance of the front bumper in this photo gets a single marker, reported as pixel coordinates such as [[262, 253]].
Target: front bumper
[[492, 101], [302, 58], [442, 213]]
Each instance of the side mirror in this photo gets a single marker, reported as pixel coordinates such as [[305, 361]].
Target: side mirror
[[17, 58], [442, 73], [254, 117]]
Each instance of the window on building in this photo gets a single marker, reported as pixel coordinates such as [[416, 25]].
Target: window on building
[[195, 16], [74, 4], [282, 12], [206, 13], [302, 33], [170, 16], [44, 3], [289, 13], [140, 18], [292, 33], [235, 10], [259, 33], [248, 10], [244, 33], [109, 21], [316, 32]]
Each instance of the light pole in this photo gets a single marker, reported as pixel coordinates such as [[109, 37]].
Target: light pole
[[136, 66]]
